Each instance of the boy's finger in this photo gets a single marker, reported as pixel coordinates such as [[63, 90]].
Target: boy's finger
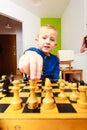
[[33, 65], [39, 66], [24, 65]]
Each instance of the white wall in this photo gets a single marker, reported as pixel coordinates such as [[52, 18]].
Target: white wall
[[80, 62], [85, 16], [73, 25], [30, 23], [74, 28]]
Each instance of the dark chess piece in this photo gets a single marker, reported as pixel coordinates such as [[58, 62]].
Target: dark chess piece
[[53, 80], [75, 81], [43, 81], [43, 77], [12, 77], [25, 79], [5, 87], [82, 82]]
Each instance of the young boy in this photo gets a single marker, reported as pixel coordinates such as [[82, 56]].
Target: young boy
[[39, 62]]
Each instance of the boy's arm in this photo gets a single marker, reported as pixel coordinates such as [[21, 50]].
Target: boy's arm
[[31, 63]]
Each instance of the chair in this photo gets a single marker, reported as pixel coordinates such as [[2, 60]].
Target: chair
[[66, 58], [66, 64]]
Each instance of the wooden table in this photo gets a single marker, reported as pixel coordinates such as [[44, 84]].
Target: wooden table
[[71, 72]]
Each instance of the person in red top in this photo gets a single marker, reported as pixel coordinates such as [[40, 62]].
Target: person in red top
[[84, 45]]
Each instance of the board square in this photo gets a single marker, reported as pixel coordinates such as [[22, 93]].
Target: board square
[[9, 94], [25, 90], [65, 108], [27, 110], [3, 107]]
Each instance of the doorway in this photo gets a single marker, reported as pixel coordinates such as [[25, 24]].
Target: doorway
[[8, 56]]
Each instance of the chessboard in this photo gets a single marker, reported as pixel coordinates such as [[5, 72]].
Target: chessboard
[[61, 106], [64, 109]]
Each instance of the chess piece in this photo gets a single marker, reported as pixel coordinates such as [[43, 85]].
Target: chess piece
[[16, 102], [60, 74], [36, 85], [48, 102], [32, 100], [6, 83], [12, 77], [74, 95], [62, 95], [25, 79], [53, 80], [82, 83], [61, 81], [82, 101]]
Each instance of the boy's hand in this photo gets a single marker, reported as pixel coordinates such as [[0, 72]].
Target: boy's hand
[[31, 63]]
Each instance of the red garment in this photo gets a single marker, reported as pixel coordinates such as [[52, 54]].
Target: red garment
[[84, 45]]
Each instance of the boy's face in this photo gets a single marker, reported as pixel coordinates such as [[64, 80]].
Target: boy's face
[[46, 40]]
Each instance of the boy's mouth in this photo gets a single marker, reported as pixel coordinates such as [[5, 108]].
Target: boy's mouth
[[46, 47]]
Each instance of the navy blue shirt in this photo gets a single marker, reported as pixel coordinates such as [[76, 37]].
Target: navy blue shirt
[[51, 64]]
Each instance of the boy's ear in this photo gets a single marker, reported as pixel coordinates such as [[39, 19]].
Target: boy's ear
[[36, 39], [56, 44]]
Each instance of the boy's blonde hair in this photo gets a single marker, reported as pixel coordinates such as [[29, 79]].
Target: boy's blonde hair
[[48, 26]]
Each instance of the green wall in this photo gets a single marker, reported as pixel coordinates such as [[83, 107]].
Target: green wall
[[57, 23]]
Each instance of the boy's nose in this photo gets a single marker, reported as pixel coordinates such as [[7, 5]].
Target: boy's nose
[[48, 40]]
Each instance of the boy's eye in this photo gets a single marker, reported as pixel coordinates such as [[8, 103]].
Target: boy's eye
[[52, 39], [44, 37]]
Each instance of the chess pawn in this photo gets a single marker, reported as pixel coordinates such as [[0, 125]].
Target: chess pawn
[[16, 102], [48, 102], [61, 81], [62, 95], [74, 95], [82, 101], [32, 100]]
